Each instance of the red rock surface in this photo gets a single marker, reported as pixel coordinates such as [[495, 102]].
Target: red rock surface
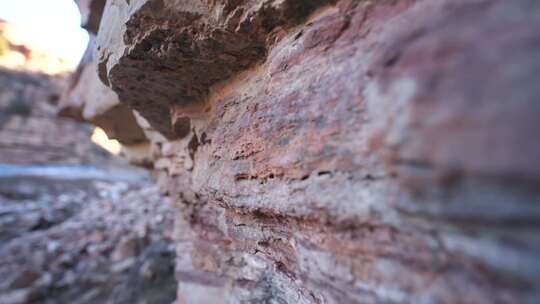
[[339, 151]]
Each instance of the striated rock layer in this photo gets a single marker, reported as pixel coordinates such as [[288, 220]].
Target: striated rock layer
[[339, 151]]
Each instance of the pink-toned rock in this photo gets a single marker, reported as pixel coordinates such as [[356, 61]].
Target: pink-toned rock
[[339, 151], [171, 53]]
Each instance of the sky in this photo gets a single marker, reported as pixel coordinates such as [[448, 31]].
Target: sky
[[53, 25]]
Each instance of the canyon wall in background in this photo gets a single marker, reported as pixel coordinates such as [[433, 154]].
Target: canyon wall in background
[[77, 225], [330, 151]]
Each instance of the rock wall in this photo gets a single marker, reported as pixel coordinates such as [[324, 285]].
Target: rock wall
[[339, 151]]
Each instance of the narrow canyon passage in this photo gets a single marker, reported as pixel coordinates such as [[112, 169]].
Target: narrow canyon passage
[[275, 151], [77, 225]]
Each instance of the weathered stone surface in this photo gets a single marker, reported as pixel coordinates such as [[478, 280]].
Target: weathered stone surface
[[158, 53], [87, 99], [340, 151]]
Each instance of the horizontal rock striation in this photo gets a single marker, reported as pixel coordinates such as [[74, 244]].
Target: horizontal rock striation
[[339, 151]]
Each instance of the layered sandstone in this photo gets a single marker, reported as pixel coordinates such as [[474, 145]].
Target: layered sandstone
[[339, 151]]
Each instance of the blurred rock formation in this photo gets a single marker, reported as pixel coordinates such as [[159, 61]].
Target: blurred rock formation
[[17, 51], [77, 225]]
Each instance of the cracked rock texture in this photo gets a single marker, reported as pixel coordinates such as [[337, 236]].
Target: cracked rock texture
[[339, 151]]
